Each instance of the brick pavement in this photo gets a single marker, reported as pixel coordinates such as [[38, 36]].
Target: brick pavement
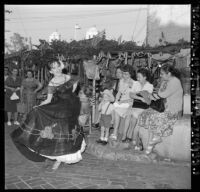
[[91, 173]]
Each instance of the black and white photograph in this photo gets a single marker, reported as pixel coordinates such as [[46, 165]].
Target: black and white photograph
[[99, 96]]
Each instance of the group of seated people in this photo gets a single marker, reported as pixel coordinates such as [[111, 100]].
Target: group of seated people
[[132, 103]]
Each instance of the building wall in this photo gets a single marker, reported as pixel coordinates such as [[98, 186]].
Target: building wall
[[91, 33]]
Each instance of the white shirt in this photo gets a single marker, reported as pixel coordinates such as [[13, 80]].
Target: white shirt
[[147, 87], [104, 106], [59, 81], [125, 89]]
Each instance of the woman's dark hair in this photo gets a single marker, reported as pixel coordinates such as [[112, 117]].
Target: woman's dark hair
[[145, 73], [29, 70], [65, 71], [108, 84], [170, 68], [129, 68], [119, 67], [51, 61], [86, 90]]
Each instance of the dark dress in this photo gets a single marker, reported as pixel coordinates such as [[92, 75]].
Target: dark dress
[[52, 130], [29, 96]]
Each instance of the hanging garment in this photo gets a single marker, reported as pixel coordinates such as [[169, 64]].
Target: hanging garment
[[91, 69]]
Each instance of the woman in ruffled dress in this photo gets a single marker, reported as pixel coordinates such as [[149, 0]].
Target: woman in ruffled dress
[[51, 130]]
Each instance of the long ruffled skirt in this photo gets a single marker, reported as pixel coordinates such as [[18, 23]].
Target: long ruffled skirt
[[50, 131]]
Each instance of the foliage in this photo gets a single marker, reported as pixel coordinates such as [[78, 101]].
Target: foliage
[[18, 42], [76, 50]]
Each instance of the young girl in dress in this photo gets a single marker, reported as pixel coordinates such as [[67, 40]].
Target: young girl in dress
[[105, 108]]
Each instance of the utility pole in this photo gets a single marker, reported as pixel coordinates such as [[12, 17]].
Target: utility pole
[[75, 31], [147, 32]]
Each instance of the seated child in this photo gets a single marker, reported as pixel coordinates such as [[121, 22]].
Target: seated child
[[105, 109]]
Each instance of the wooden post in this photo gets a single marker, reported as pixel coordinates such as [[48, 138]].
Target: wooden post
[[93, 101], [42, 79], [38, 77], [132, 59], [45, 75]]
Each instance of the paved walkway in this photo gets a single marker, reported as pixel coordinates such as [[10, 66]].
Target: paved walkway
[[91, 173]]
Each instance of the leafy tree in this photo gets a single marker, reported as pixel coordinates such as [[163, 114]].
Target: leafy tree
[[18, 42]]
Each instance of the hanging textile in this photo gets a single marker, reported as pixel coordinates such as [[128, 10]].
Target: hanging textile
[[81, 72], [181, 62], [140, 60], [183, 58], [91, 69]]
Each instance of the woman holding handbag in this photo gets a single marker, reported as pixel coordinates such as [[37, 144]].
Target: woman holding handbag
[[29, 88], [160, 124], [12, 95]]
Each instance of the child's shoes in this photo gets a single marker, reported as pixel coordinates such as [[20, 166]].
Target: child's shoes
[[99, 141]]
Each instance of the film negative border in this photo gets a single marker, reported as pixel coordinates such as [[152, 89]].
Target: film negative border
[[195, 90]]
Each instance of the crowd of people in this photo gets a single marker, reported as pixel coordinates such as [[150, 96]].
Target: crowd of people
[[53, 130], [139, 104]]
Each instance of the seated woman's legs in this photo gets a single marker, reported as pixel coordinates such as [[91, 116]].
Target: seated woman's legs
[[126, 126], [134, 131], [153, 140]]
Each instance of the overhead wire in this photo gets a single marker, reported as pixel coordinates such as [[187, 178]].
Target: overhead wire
[[103, 13], [141, 29], [76, 16], [137, 18], [21, 22]]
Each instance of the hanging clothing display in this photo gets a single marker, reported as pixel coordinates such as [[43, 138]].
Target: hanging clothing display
[[183, 58], [140, 60], [91, 69]]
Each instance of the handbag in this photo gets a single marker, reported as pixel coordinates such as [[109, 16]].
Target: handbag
[[139, 104], [21, 107], [14, 96], [158, 105]]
